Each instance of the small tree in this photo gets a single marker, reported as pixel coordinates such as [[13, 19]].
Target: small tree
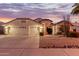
[[76, 9], [61, 29], [64, 29]]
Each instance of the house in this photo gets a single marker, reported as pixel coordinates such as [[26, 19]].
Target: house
[[27, 26], [46, 26]]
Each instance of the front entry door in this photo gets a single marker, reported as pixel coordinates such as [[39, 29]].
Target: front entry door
[[49, 31]]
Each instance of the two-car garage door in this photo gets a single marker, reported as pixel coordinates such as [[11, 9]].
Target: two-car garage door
[[31, 34]]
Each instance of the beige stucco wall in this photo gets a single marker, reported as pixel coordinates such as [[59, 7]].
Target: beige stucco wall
[[54, 29], [17, 27]]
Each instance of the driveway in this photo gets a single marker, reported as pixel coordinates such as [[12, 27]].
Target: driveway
[[7, 41]]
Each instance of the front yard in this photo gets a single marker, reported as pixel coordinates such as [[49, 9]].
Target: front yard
[[58, 42]]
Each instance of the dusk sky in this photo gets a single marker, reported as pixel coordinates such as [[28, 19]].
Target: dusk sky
[[53, 11]]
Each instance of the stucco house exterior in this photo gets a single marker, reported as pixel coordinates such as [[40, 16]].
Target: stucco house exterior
[[27, 26], [47, 26]]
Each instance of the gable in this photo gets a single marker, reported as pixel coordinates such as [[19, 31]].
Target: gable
[[20, 21]]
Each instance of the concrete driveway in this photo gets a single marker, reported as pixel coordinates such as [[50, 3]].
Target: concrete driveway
[[7, 41]]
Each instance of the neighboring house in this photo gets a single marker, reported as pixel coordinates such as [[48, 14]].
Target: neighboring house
[[46, 25], [22, 26], [75, 27], [62, 24]]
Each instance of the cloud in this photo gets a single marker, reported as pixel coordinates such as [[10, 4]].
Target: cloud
[[11, 10], [34, 9]]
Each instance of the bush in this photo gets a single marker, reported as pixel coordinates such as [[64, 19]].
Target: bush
[[59, 33], [78, 34], [41, 33], [72, 34]]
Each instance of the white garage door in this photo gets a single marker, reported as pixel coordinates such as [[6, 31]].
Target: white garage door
[[17, 31], [33, 37]]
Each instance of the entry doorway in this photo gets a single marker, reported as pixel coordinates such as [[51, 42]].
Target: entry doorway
[[49, 31]]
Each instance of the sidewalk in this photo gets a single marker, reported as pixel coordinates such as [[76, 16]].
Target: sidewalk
[[39, 52]]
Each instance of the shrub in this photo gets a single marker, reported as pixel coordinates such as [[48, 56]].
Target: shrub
[[72, 34], [59, 33], [78, 34], [41, 33]]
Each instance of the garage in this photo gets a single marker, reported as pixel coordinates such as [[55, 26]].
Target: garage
[[21, 26], [24, 27]]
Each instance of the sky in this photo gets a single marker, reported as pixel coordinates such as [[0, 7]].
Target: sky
[[53, 11]]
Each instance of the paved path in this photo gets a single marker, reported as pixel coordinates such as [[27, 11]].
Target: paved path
[[39, 52]]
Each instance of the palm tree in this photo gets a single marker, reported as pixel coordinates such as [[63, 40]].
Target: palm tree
[[76, 9]]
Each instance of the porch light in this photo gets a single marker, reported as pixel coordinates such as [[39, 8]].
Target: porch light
[[41, 29]]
